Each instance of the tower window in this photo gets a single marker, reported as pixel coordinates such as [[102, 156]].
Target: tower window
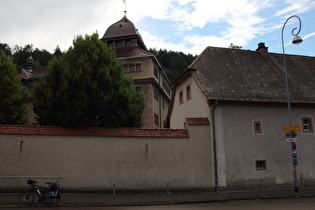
[[156, 119], [156, 94]]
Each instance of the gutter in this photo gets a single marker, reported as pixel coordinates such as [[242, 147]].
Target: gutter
[[216, 179]]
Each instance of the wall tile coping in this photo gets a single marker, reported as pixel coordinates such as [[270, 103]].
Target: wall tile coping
[[94, 131], [197, 121]]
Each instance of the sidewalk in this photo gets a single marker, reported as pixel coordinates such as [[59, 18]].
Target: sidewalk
[[157, 198]]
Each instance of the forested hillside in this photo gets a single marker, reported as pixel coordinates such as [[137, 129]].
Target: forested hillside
[[173, 62]]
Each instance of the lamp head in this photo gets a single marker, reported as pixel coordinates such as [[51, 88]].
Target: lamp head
[[297, 40]]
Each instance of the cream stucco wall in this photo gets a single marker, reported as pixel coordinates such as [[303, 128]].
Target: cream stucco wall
[[238, 147], [195, 107], [99, 162]]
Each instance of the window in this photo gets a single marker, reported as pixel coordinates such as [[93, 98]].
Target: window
[[138, 89], [156, 94], [118, 44], [257, 127], [126, 68], [156, 119], [128, 43], [307, 124], [155, 72], [188, 92], [138, 67], [181, 101], [166, 88], [261, 165], [132, 67]]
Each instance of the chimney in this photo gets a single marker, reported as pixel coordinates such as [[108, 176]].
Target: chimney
[[262, 49]]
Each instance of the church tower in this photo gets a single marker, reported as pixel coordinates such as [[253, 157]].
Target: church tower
[[143, 67]]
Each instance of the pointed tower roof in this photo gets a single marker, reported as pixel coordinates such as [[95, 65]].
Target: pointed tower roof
[[122, 30]]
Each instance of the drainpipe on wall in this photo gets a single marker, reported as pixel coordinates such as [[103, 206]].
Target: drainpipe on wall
[[214, 146]]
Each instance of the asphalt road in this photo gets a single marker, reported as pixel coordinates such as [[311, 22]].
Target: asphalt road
[[305, 203]]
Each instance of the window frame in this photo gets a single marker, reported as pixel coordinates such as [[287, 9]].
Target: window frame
[[138, 89], [181, 96], [156, 94], [310, 124], [188, 92], [256, 123], [265, 164]]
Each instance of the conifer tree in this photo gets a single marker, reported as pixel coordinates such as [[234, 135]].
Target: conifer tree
[[86, 86], [13, 99]]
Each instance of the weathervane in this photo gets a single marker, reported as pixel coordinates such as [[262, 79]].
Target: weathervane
[[125, 6]]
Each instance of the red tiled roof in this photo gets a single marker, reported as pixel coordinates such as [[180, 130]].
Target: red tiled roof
[[197, 121], [97, 131]]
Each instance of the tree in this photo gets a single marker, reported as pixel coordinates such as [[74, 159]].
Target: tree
[[57, 52], [173, 62], [5, 48], [13, 99], [86, 86], [232, 46]]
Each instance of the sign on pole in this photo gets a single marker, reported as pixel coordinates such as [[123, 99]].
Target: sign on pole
[[289, 128], [293, 140]]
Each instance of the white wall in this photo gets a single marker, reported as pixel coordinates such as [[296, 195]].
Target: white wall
[[242, 147], [195, 107], [98, 162]]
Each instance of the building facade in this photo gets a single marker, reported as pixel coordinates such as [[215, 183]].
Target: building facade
[[145, 70], [243, 94]]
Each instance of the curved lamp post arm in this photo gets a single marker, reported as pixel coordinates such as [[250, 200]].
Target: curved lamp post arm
[[296, 40]]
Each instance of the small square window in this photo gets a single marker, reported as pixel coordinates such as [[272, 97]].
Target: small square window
[[181, 100], [261, 165], [307, 124], [257, 127]]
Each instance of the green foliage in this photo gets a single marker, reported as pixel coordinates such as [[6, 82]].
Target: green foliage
[[173, 62], [20, 55], [5, 48], [86, 86], [13, 99], [232, 46]]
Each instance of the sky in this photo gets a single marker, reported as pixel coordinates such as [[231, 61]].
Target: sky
[[187, 26]]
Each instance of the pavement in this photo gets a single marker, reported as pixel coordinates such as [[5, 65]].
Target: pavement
[[90, 198]]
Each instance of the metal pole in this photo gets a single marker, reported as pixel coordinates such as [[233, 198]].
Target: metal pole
[[293, 145]]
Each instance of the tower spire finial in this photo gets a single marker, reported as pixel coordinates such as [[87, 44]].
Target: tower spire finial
[[125, 7]]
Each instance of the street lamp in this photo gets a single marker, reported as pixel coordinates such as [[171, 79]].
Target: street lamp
[[296, 40]]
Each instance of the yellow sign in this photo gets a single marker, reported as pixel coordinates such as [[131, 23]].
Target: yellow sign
[[289, 128]]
